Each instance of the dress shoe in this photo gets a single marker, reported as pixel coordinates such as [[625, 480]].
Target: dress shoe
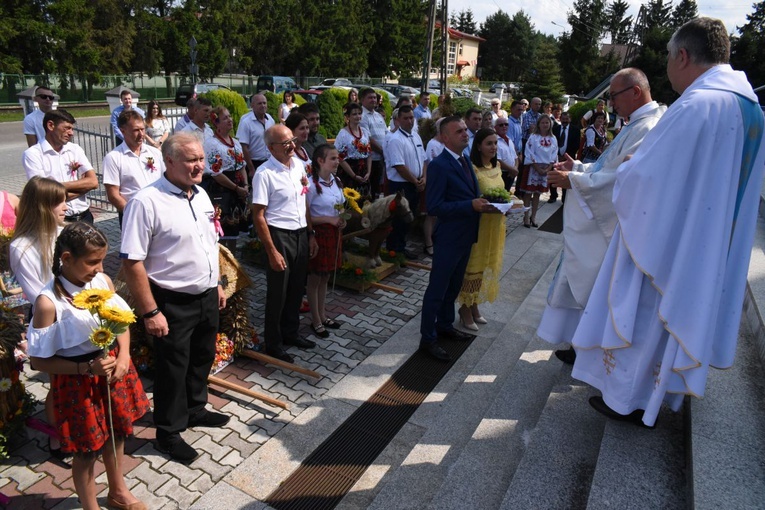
[[56, 453], [635, 417], [435, 351], [480, 319], [466, 319], [116, 505], [468, 325], [428, 250], [178, 449], [304, 306], [330, 324], [320, 331], [552, 200], [209, 419], [453, 334], [300, 343], [409, 255], [281, 355], [567, 356]]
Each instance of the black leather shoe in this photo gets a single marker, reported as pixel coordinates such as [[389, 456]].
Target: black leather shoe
[[410, 255], [552, 200], [453, 334], [300, 343], [435, 351], [567, 356], [635, 417], [178, 449], [281, 355], [320, 331], [209, 419]]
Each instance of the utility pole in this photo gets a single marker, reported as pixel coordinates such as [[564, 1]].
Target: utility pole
[[444, 43], [193, 68], [428, 58]]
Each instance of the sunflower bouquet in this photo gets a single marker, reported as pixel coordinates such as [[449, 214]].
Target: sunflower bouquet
[[112, 322]]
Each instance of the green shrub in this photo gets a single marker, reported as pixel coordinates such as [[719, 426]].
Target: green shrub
[[232, 101], [463, 104], [331, 112], [387, 107], [578, 110], [273, 100]]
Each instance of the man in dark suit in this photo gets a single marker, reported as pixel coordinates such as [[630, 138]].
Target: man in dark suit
[[452, 197], [568, 143]]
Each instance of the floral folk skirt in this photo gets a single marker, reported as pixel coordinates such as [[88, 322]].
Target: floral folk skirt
[[330, 255]]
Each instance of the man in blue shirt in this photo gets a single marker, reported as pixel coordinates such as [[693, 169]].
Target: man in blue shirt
[[127, 104], [423, 111]]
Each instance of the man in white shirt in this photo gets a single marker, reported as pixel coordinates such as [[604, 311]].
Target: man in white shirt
[[33, 123], [58, 159], [169, 253], [405, 167], [506, 155], [183, 121], [127, 104], [281, 218], [252, 133], [375, 124], [198, 122], [132, 165]]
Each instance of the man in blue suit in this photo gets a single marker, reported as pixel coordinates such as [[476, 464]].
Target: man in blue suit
[[453, 198]]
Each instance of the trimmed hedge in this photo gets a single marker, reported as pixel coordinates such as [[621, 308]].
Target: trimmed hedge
[[578, 110], [331, 112], [275, 100], [232, 101]]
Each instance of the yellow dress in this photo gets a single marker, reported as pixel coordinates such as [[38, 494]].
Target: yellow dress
[[481, 281]]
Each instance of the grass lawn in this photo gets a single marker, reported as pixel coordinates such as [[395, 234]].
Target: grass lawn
[[77, 112]]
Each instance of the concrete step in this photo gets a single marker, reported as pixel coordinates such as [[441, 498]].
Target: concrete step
[[728, 434], [558, 464]]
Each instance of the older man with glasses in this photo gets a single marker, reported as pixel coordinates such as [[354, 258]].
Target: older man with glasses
[[281, 218], [34, 129]]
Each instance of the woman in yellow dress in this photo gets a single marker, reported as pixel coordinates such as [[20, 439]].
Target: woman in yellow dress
[[481, 282]]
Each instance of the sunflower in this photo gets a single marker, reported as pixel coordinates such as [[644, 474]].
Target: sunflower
[[351, 194], [91, 299], [114, 314], [101, 337], [5, 384]]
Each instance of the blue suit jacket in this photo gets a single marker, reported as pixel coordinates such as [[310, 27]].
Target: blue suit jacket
[[450, 196]]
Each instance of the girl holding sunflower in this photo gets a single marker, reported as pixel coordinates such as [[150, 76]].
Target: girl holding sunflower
[[325, 201], [67, 340]]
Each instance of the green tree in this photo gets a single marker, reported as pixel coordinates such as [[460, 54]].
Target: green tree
[[684, 12], [543, 79], [463, 21], [580, 49], [618, 24], [397, 42], [492, 57], [25, 37], [658, 13], [524, 39], [748, 49], [652, 60]]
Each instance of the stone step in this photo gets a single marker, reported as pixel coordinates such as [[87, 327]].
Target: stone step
[[728, 434], [456, 409], [559, 462]]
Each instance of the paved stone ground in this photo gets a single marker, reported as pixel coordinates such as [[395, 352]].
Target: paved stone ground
[[34, 480]]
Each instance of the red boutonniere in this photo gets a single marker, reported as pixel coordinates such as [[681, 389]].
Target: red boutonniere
[[150, 164], [73, 167], [304, 183]]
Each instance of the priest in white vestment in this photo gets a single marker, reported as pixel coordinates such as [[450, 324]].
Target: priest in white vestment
[[589, 218], [668, 298]]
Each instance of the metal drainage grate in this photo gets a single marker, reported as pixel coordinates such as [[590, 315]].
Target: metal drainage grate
[[326, 476]]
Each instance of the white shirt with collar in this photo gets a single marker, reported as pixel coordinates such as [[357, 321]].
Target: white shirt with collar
[[252, 133], [323, 204], [279, 188], [375, 124], [131, 172], [174, 236], [66, 166], [404, 149], [33, 125], [205, 132], [506, 151]]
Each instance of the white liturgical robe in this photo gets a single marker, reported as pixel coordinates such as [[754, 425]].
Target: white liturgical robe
[[589, 220], [668, 298]]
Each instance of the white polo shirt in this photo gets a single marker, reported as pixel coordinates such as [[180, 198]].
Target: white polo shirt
[[323, 204], [205, 133], [404, 149], [66, 166], [375, 124], [506, 151], [130, 172], [174, 237], [33, 125], [278, 187], [252, 132]]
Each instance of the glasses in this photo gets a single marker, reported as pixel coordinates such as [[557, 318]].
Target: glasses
[[609, 95], [286, 144], [46, 96]]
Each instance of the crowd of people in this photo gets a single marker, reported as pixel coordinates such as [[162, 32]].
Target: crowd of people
[[626, 294]]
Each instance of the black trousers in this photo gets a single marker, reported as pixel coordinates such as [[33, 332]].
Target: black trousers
[[183, 358], [285, 288], [85, 216]]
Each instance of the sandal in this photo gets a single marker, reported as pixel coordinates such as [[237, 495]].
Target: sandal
[[329, 323], [320, 331], [428, 250]]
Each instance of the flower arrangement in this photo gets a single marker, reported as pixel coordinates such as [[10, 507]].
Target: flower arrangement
[[150, 164], [354, 273], [391, 256], [224, 353], [352, 198], [304, 183], [73, 167]]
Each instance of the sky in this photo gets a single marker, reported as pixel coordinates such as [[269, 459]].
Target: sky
[[549, 16]]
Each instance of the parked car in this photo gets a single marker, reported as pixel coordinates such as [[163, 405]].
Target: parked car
[[310, 95], [189, 90], [336, 82], [396, 89], [495, 87], [275, 84]]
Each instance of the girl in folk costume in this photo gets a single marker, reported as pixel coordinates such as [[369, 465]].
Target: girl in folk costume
[[298, 124], [352, 143], [62, 342], [540, 156], [325, 200]]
